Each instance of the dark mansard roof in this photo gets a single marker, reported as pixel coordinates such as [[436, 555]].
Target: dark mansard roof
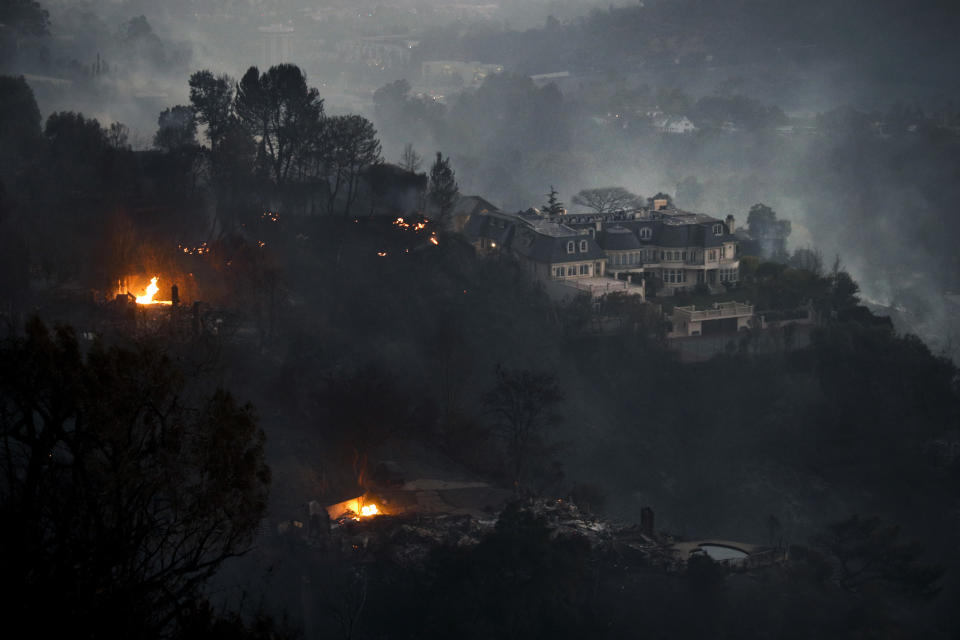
[[672, 229], [618, 238], [550, 244]]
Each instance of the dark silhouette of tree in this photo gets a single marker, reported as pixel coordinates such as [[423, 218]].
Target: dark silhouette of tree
[[26, 16], [808, 258], [844, 289], [443, 191], [554, 207], [282, 113], [119, 499], [137, 36], [771, 233], [75, 148], [867, 550], [389, 100], [118, 136], [606, 199], [136, 28], [14, 257], [177, 129], [410, 159], [351, 144], [19, 124], [396, 110], [521, 581], [522, 404], [212, 100], [363, 408]]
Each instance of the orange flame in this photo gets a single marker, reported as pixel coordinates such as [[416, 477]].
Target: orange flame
[[152, 290], [369, 510]]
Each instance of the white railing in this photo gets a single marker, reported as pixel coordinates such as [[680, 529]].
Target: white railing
[[720, 310]]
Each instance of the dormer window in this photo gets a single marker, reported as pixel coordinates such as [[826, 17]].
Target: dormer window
[[583, 246], [570, 246], [718, 229], [646, 233]]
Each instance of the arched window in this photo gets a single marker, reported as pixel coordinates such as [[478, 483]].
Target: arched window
[[718, 229], [646, 233], [570, 247], [583, 246]]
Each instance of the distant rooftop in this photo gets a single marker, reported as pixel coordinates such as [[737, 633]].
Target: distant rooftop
[[685, 217], [554, 229]]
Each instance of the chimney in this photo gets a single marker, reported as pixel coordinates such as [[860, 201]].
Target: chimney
[[731, 227]]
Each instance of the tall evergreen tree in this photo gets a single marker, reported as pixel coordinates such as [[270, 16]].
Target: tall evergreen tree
[[554, 207], [443, 191]]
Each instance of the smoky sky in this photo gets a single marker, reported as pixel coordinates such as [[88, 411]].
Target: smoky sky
[[880, 197]]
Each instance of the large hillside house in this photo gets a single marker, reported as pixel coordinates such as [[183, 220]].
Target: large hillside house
[[682, 249], [548, 249], [679, 248]]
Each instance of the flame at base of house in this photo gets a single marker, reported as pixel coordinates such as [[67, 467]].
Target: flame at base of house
[[354, 508], [149, 294], [152, 290]]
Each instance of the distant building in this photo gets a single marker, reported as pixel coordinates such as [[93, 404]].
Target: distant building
[[673, 124], [682, 249], [723, 317], [466, 207], [553, 251], [679, 248], [469, 74]]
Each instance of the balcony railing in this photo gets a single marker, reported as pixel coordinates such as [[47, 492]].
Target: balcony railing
[[720, 310]]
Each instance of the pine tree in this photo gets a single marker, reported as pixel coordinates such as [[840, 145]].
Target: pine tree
[[554, 207], [443, 191]]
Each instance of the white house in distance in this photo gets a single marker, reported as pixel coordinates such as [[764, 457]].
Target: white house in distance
[[679, 248], [674, 124]]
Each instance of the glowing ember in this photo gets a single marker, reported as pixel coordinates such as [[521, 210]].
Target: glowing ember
[[152, 290], [202, 249], [434, 240], [369, 510], [403, 224]]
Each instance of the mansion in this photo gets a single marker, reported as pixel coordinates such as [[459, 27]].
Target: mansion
[[679, 248]]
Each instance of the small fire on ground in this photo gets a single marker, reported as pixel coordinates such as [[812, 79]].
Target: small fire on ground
[[357, 508], [150, 293]]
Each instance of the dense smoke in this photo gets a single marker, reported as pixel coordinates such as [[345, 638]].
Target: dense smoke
[[294, 176]]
